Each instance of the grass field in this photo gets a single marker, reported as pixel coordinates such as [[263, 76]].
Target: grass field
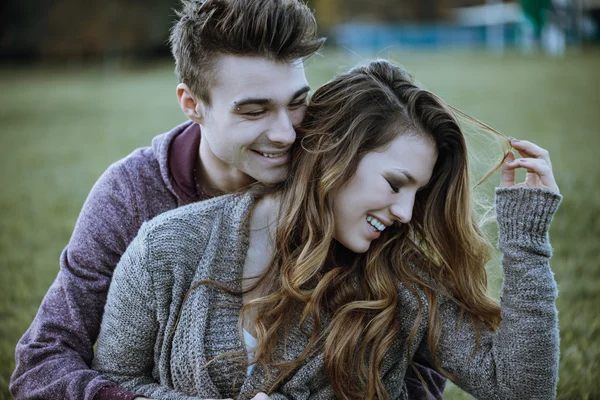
[[62, 126]]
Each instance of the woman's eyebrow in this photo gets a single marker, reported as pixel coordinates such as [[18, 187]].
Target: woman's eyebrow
[[408, 175]]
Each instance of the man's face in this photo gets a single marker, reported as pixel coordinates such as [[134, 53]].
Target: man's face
[[249, 126]]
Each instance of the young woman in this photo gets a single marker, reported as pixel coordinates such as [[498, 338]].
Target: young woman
[[328, 285]]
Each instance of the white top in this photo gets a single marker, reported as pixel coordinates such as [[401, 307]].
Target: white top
[[251, 343]]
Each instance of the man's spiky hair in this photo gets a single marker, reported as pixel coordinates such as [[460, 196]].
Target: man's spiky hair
[[278, 30]]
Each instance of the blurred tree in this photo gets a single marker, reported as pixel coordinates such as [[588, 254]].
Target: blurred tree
[[91, 28], [330, 12], [20, 26], [106, 28], [536, 11]]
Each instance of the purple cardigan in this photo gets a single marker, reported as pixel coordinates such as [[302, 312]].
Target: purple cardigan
[[54, 355]]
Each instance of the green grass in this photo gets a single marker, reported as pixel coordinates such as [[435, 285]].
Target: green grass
[[61, 127]]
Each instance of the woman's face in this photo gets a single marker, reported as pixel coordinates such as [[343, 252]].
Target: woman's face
[[382, 190]]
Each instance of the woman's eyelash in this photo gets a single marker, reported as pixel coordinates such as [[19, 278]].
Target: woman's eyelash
[[395, 188]]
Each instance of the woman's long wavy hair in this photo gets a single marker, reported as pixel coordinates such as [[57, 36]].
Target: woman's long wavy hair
[[351, 300]]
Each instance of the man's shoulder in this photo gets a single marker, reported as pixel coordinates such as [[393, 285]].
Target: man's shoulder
[[142, 174], [143, 160], [151, 159]]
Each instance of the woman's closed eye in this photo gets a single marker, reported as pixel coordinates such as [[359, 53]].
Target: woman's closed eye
[[394, 186]]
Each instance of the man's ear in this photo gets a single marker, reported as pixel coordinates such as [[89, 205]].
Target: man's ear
[[193, 108]]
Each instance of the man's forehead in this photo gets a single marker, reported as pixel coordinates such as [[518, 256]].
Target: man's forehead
[[239, 78]]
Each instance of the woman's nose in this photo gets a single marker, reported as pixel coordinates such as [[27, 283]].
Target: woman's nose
[[402, 209]]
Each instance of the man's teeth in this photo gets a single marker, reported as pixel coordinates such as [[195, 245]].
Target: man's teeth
[[273, 155], [375, 223]]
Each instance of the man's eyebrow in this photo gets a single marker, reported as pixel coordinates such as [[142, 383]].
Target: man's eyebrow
[[263, 101], [300, 92], [251, 100]]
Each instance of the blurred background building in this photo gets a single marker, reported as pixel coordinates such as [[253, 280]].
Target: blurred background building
[[33, 29], [496, 24]]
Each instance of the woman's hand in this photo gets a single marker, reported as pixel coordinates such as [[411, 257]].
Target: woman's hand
[[537, 163]]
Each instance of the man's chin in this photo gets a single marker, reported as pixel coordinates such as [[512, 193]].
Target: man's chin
[[272, 177]]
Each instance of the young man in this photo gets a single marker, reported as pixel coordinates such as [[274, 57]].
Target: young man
[[240, 64]]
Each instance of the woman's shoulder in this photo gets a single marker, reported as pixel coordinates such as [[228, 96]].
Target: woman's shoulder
[[196, 216], [424, 277], [183, 231]]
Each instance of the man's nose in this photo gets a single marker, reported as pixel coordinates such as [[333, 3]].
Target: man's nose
[[282, 130]]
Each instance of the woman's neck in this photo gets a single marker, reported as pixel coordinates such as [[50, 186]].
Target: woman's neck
[[263, 227], [265, 213]]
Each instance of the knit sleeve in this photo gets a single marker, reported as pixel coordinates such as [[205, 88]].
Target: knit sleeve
[[520, 359], [125, 347]]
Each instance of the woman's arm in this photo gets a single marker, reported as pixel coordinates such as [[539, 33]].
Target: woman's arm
[[520, 359], [125, 348]]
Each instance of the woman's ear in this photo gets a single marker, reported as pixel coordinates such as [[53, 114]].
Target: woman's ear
[[193, 108]]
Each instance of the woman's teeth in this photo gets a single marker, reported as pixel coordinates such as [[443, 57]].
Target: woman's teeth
[[274, 155], [375, 223]]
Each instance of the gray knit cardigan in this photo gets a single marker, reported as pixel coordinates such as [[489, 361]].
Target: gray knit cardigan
[[157, 334]]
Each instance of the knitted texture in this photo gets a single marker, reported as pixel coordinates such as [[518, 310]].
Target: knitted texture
[[156, 341], [54, 355]]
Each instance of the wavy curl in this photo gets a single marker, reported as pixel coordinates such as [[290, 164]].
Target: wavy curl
[[351, 300]]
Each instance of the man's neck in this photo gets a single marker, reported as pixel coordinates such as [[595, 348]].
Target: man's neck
[[214, 177]]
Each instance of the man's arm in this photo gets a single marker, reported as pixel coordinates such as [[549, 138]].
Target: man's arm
[[435, 381], [53, 357]]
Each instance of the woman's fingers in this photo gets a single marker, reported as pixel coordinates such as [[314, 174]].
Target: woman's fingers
[[530, 150], [541, 172], [536, 161], [508, 173]]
